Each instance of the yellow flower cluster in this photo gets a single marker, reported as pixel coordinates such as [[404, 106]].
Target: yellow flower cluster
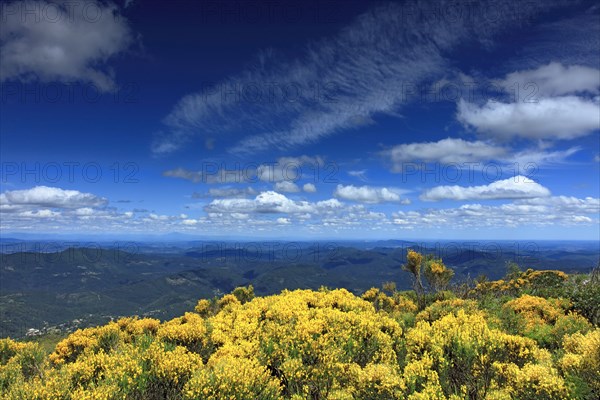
[[437, 268], [441, 308], [530, 279], [303, 344], [413, 261], [546, 320], [582, 357], [396, 304], [536, 310], [533, 381]]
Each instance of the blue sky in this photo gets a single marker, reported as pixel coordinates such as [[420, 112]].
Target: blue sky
[[318, 119]]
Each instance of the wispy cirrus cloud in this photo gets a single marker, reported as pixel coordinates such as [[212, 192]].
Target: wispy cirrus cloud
[[360, 72]]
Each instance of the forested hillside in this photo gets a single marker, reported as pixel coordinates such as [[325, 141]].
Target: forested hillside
[[531, 335]]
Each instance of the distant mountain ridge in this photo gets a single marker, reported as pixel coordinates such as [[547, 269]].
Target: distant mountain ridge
[[45, 288]]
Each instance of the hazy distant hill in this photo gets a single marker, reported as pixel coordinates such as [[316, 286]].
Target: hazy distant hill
[[40, 289]]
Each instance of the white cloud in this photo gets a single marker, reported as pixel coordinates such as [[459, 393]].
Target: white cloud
[[445, 151], [309, 188], [84, 211], [68, 41], [289, 169], [157, 217], [284, 169], [540, 157], [39, 214], [518, 187], [271, 202], [360, 174], [540, 212], [568, 204], [44, 196], [284, 221], [362, 71], [581, 218], [467, 155], [368, 194], [553, 79], [226, 192], [212, 177], [566, 117], [287, 187], [189, 222]]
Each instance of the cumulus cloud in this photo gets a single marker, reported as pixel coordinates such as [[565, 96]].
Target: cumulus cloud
[[565, 117], [55, 209], [50, 197], [554, 79], [289, 168], [45, 213], [286, 187], [470, 154], [445, 151], [567, 204], [368, 194], [62, 41], [309, 188], [552, 101], [271, 202], [519, 187], [157, 217], [547, 211]]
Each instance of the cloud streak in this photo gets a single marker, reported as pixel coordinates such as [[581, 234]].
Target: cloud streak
[[357, 74]]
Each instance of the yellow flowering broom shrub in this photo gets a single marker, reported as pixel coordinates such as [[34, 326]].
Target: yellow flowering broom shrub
[[582, 360], [462, 350], [438, 309], [546, 320], [326, 344]]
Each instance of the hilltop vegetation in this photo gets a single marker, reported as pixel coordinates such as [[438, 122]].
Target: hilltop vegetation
[[77, 287], [531, 335]]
